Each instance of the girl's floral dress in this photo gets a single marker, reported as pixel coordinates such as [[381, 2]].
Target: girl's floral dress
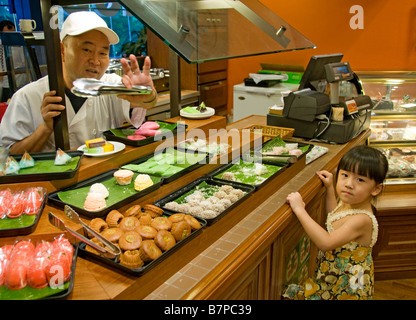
[[343, 273]]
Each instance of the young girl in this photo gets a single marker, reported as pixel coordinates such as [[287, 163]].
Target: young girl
[[345, 265]]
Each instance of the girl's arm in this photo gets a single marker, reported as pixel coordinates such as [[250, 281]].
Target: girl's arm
[[328, 181], [353, 228]]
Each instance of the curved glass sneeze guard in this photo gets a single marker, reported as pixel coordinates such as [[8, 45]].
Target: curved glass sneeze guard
[[203, 30]]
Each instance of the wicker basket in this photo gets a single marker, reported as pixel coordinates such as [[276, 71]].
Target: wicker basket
[[269, 132]]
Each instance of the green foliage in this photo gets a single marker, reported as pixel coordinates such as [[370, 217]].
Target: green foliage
[[137, 47]]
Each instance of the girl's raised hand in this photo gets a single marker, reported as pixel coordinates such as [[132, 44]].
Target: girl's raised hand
[[326, 177]]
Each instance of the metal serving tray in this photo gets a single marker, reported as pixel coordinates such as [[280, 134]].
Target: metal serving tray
[[15, 178], [137, 143], [108, 175], [148, 266], [167, 179], [180, 192]]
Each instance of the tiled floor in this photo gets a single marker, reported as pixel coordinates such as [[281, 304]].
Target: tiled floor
[[186, 278]]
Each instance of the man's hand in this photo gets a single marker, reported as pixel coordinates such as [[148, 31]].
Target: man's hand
[[50, 108]]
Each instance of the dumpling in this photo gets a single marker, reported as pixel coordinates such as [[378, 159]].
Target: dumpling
[[26, 161], [61, 158]]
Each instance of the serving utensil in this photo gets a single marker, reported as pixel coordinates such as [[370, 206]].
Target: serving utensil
[[86, 87], [108, 253]]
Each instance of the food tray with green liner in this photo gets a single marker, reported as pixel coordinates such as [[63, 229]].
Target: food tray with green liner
[[25, 224], [44, 168], [119, 195], [147, 266], [121, 134], [244, 172], [256, 154], [47, 293], [170, 163], [209, 186]]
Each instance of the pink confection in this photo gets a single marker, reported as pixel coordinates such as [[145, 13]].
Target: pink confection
[[147, 132], [136, 137], [150, 125]]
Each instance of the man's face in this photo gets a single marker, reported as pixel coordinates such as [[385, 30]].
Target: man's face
[[85, 56]]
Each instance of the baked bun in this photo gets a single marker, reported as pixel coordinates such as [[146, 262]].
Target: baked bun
[[113, 218], [135, 211], [149, 251], [146, 232], [192, 221], [129, 223], [130, 240], [112, 234], [176, 217], [152, 210], [165, 240], [97, 224], [145, 219], [180, 230], [161, 223]]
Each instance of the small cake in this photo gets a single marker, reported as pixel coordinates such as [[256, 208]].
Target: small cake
[[94, 202], [180, 230], [114, 218], [94, 143], [152, 210], [142, 182], [145, 219], [176, 217], [147, 232], [130, 240], [98, 224], [149, 251], [93, 250], [112, 234], [129, 223], [61, 158], [99, 188], [131, 259], [161, 223], [26, 161], [192, 221], [135, 211], [165, 240], [123, 176]]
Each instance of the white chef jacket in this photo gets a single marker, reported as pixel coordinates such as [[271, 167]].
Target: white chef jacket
[[96, 115]]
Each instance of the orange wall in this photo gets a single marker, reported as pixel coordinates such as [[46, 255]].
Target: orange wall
[[387, 42]]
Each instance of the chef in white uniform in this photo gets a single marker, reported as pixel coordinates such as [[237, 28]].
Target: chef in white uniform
[[27, 124]]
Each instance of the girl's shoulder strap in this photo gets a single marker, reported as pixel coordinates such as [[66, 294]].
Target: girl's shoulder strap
[[335, 215]]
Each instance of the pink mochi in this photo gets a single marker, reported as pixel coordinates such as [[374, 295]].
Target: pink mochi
[[147, 132], [150, 125], [136, 137]]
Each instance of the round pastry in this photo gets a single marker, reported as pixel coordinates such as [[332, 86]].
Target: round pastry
[[192, 221], [164, 240], [161, 223], [130, 240], [112, 234], [146, 232], [135, 211], [145, 219], [114, 218], [99, 188], [129, 223], [131, 259], [176, 217], [142, 182], [98, 224], [180, 230], [123, 176], [93, 250], [149, 251], [152, 210]]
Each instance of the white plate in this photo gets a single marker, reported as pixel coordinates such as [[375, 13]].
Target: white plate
[[209, 113], [118, 146]]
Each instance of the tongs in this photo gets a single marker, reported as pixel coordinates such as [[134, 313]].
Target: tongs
[[86, 87], [110, 250]]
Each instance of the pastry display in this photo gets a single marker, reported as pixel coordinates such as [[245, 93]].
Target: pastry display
[[402, 161], [143, 238], [123, 176], [203, 146], [142, 182], [206, 201], [24, 202]]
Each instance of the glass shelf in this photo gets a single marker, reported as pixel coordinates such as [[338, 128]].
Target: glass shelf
[[204, 30]]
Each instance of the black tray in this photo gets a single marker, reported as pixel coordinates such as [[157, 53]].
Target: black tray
[[225, 167], [148, 266], [54, 197], [137, 143], [269, 159], [167, 179], [24, 230], [179, 192], [14, 178]]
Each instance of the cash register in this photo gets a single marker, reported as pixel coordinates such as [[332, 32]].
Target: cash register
[[317, 111]]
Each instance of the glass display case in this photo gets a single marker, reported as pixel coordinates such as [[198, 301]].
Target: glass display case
[[393, 120]]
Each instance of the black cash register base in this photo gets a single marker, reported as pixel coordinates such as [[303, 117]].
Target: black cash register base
[[337, 132]]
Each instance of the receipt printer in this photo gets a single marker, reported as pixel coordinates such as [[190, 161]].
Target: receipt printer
[[305, 104]]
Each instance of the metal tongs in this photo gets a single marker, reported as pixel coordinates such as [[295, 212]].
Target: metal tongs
[[86, 87], [110, 250]]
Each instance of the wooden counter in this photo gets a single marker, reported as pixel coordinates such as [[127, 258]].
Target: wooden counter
[[244, 255]]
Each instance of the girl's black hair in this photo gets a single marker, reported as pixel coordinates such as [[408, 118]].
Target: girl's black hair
[[365, 161]]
